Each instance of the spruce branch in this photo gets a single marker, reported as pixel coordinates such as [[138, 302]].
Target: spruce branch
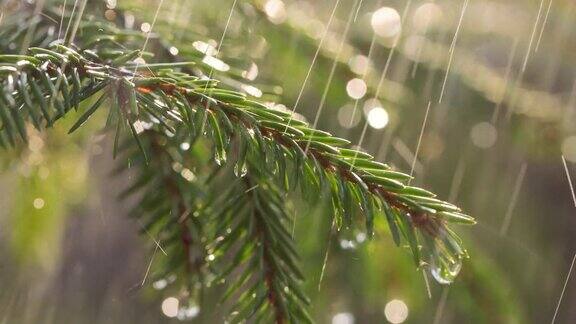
[[161, 107], [172, 99], [257, 254], [170, 215]]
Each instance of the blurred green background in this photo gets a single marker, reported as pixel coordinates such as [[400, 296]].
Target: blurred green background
[[489, 86]]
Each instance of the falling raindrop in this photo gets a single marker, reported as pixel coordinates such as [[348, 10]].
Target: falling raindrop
[[445, 271]]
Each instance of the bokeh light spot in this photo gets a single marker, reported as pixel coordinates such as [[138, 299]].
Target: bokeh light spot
[[145, 27], [356, 88], [170, 306], [396, 311], [343, 318], [174, 50], [38, 203], [359, 63], [347, 118], [378, 118], [426, 16], [483, 135], [386, 22], [276, 11]]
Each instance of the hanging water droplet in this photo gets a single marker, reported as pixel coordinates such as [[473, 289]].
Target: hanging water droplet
[[445, 271], [220, 157], [240, 169]]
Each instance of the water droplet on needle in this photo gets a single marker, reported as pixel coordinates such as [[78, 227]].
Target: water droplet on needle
[[445, 272]]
